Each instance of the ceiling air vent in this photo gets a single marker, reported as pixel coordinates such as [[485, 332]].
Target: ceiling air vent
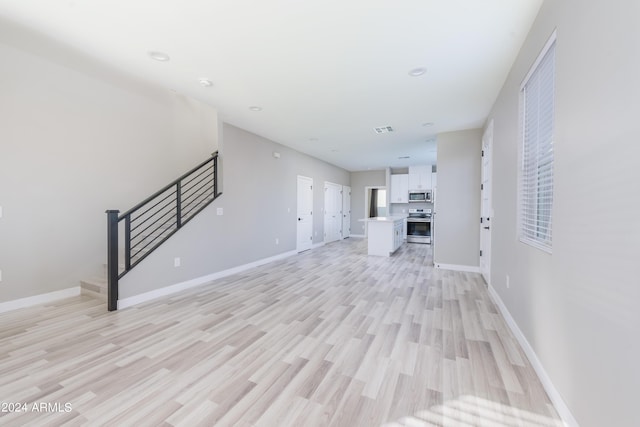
[[383, 129]]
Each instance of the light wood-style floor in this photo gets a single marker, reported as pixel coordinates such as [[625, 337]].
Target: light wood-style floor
[[330, 337]]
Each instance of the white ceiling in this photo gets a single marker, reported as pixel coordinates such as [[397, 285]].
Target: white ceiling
[[324, 72]]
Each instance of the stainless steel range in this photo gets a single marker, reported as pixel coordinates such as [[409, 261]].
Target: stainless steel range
[[419, 226]]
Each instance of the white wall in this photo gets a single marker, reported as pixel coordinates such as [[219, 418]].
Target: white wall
[[457, 219], [77, 138], [578, 307], [259, 205]]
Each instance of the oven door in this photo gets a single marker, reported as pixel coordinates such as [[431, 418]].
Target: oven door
[[418, 231]]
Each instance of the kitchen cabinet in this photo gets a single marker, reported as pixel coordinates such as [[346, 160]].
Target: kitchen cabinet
[[399, 188], [384, 235], [420, 177], [398, 238], [434, 181]]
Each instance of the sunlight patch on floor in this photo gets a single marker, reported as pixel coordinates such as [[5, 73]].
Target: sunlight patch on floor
[[473, 411]]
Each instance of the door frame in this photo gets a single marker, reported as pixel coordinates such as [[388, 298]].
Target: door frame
[[336, 187], [486, 212], [366, 203], [346, 196], [310, 180]]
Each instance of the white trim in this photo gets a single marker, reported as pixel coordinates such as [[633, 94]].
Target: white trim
[[39, 299], [171, 289], [298, 247], [360, 236], [554, 394], [455, 267]]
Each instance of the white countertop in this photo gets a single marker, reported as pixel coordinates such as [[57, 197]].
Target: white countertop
[[392, 218]]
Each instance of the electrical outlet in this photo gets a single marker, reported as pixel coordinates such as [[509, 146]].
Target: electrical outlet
[[219, 211], [0, 211], [177, 262], [277, 241], [508, 284]]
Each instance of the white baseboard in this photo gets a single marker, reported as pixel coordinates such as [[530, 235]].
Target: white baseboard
[[171, 289], [455, 267], [361, 236], [39, 299], [554, 394], [317, 245]]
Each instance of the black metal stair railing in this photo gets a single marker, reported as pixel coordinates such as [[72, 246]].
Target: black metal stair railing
[[151, 222]]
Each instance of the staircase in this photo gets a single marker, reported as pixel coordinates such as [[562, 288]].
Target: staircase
[[135, 234]]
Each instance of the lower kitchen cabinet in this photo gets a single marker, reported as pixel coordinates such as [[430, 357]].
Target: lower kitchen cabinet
[[385, 235]]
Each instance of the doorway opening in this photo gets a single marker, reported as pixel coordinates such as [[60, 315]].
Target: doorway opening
[[375, 203]]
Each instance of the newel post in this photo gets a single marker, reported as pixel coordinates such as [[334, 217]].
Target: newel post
[[112, 259]]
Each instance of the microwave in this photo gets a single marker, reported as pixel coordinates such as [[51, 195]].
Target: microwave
[[423, 196]]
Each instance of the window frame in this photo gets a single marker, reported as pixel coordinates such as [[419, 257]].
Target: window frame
[[543, 242]]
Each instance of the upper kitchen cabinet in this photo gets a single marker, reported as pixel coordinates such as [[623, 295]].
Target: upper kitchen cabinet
[[399, 188], [420, 177]]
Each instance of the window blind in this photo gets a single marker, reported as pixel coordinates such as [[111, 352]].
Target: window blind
[[536, 174]]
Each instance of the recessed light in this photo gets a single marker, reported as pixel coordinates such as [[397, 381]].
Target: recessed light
[[255, 108], [404, 157], [417, 72], [205, 82], [159, 56], [313, 139], [427, 124], [334, 150]]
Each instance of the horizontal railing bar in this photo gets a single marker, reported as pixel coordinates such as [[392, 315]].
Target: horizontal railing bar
[[195, 202], [198, 199], [204, 170], [140, 215], [205, 187], [143, 256], [196, 206], [202, 196], [160, 210], [152, 240], [186, 220], [166, 187], [207, 178], [160, 218]]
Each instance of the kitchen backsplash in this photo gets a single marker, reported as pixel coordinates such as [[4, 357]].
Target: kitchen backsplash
[[397, 208]]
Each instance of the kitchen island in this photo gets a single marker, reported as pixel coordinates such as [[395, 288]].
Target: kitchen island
[[384, 234]]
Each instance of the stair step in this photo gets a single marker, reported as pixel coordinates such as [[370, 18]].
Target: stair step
[[95, 287]]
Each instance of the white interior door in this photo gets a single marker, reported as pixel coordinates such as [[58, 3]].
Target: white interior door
[[332, 212], [305, 214], [486, 207], [346, 211]]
